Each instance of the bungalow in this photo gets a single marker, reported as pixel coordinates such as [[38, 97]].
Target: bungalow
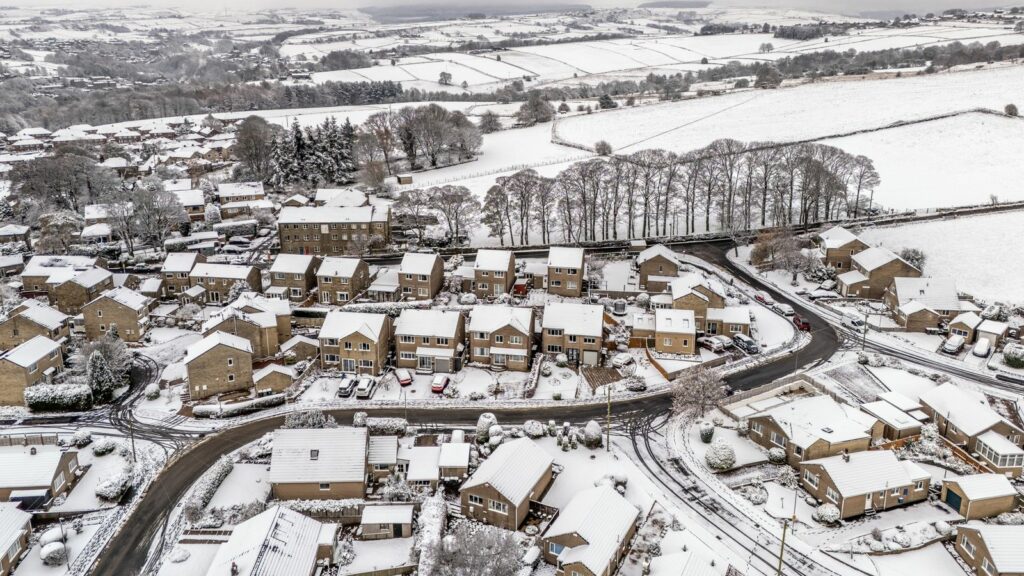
[[430, 340], [30, 319], [591, 536], [420, 276], [294, 275], [340, 280], [318, 464], [990, 549], [837, 246], [501, 336], [872, 270], [15, 528], [219, 279], [813, 427], [218, 364], [965, 419], [36, 474], [576, 330], [273, 378], [275, 541], [657, 262], [978, 496], [384, 521], [240, 191], [259, 328], [355, 342], [121, 307], [500, 491], [29, 363], [921, 303], [864, 482], [494, 272], [420, 466], [566, 270]]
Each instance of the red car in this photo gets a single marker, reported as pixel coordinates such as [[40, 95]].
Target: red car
[[404, 377], [801, 324], [439, 383]]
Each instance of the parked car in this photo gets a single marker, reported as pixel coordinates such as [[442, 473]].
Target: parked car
[[982, 349], [622, 359], [404, 376], [725, 340], [764, 298], [784, 309], [819, 294], [439, 383], [992, 312], [365, 387], [746, 343], [855, 322], [800, 323], [347, 387], [953, 344], [710, 343], [829, 285]]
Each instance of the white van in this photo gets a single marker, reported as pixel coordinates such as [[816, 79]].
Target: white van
[[855, 322]]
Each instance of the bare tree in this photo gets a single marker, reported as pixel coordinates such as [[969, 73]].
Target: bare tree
[[157, 211], [58, 231], [254, 142], [865, 177], [474, 550], [416, 205], [380, 128], [696, 392], [457, 207]]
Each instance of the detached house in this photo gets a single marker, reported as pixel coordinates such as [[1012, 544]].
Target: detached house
[[259, 328], [121, 307], [921, 303], [837, 246], [657, 267], [566, 270], [430, 340], [218, 364], [340, 280], [501, 336], [34, 361], [31, 319], [71, 294], [865, 482], [276, 541], [217, 280], [494, 272], [43, 272], [36, 474], [11, 233], [694, 293], [15, 528], [240, 191], [293, 276], [355, 342], [990, 549], [675, 331], [176, 270], [872, 270], [319, 464], [420, 276], [500, 491], [591, 535], [576, 330]]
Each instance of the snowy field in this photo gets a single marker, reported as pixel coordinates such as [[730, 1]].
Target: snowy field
[[965, 249]]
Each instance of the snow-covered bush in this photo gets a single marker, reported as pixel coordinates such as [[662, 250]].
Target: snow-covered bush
[[204, 489], [592, 435], [942, 527], [55, 534], [113, 486], [238, 408], [309, 419], [720, 456], [495, 435], [616, 480], [483, 426], [756, 494], [179, 555], [54, 554], [152, 391], [533, 429], [104, 446], [827, 513], [707, 432], [1010, 518], [545, 369], [776, 455], [81, 438], [359, 420], [386, 426], [237, 228], [467, 299], [561, 360], [58, 397]]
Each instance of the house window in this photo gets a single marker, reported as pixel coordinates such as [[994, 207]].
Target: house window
[[364, 346], [554, 349], [331, 358], [756, 427], [499, 507], [12, 552], [406, 339], [231, 377], [314, 454], [831, 494], [666, 341], [407, 356], [348, 345], [919, 485], [589, 340], [476, 500], [572, 338], [425, 339], [515, 339], [735, 328], [778, 439], [480, 352], [442, 341], [499, 339], [231, 361], [32, 368], [967, 545], [325, 486], [811, 479], [330, 341], [988, 567], [481, 335], [555, 332], [555, 549], [99, 313]]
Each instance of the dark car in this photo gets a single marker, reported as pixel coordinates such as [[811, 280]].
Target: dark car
[[347, 387], [800, 323], [746, 343]]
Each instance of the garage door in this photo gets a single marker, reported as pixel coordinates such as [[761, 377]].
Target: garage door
[[590, 357], [953, 499]]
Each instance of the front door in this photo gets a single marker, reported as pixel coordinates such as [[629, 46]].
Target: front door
[[397, 530], [325, 297], [573, 354], [867, 502]]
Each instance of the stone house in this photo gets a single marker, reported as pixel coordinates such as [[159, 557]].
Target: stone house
[[11, 233], [273, 378], [566, 271], [240, 191], [501, 336], [319, 464], [966, 325], [576, 330], [293, 275], [43, 272], [333, 231], [340, 280], [919, 303], [872, 271], [30, 319], [259, 328], [36, 474], [217, 364], [659, 262], [990, 549], [494, 272], [121, 307], [301, 347], [420, 276], [15, 528], [29, 363], [218, 280], [592, 534], [836, 246], [276, 541], [863, 482], [500, 491], [69, 296], [176, 271], [355, 342], [694, 293], [430, 340]]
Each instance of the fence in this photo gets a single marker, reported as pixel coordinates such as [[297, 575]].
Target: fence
[[28, 439], [406, 569]]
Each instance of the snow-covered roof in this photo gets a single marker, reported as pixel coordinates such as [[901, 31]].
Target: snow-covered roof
[[913, 307], [273, 369], [852, 277], [415, 263], [19, 468], [870, 471], [13, 524], [340, 197], [730, 314], [318, 455], [565, 257], [45, 316], [441, 323], [579, 319], [31, 351], [657, 250], [386, 280], [291, 263], [91, 277], [296, 340], [673, 321], [810, 418], [934, 293], [891, 415], [340, 324], [967, 410], [275, 541], [900, 401], [422, 463], [102, 211], [190, 197], [338, 267], [454, 455], [999, 444], [332, 214], [993, 327], [100, 230], [969, 319], [387, 514], [491, 318], [237, 189], [46, 265], [602, 518], [686, 285], [13, 230], [260, 204], [213, 340], [982, 486], [177, 184], [873, 258], [512, 470], [128, 297], [1003, 545], [150, 285], [836, 237], [382, 450], [299, 198], [493, 260], [210, 270], [260, 319], [259, 302]]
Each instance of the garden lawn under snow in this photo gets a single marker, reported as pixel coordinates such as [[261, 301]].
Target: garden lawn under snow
[[83, 495], [974, 250], [245, 483], [746, 451], [933, 560], [200, 556], [378, 555], [33, 565], [580, 472]]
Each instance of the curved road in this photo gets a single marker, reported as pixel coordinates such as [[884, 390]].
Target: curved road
[[128, 550]]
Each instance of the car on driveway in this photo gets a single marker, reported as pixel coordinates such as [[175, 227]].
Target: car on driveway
[[365, 387], [347, 387], [404, 376], [953, 344], [746, 343], [784, 309], [764, 298], [622, 359], [725, 340], [439, 383], [982, 349], [710, 343], [801, 323]]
